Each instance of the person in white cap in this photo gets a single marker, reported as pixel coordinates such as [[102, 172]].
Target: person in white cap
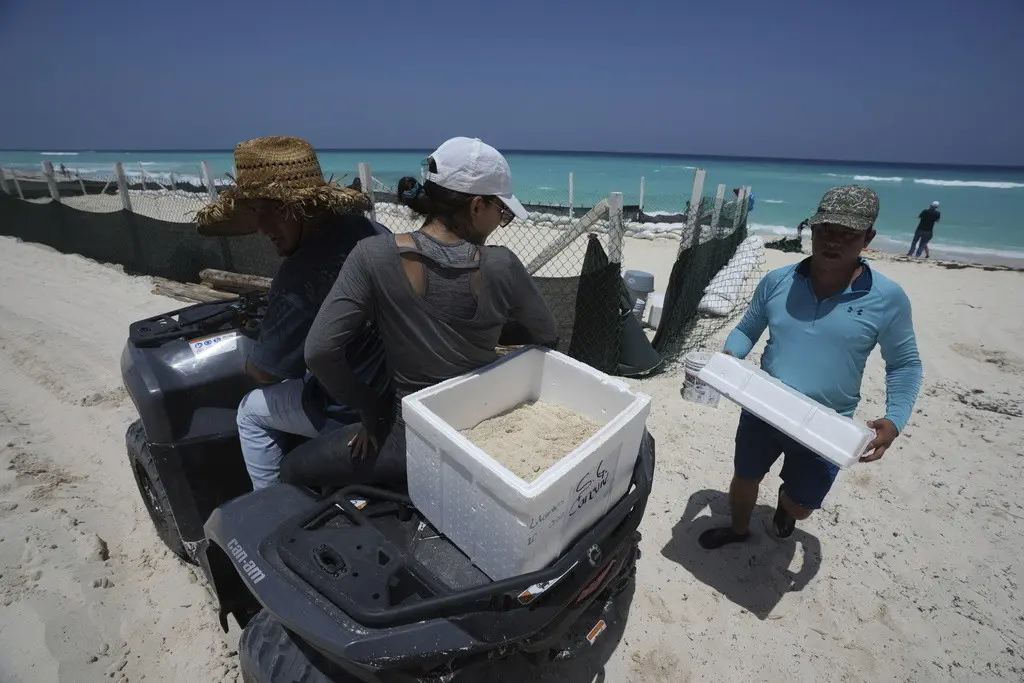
[[925, 229], [440, 299]]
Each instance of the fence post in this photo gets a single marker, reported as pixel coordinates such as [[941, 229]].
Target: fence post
[[81, 183], [366, 180], [173, 184], [122, 186], [719, 201], [51, 181], [571, 192], [599, 211], [694, 213], [211, 188], [643, 187], [616, 228], [17, 185], [3, 182], [741, 208]]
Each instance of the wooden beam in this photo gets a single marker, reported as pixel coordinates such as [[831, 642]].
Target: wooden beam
[[188, 291], [233, 282]]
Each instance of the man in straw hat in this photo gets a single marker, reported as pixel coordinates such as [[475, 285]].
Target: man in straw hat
[[824, 317], [280, 192]]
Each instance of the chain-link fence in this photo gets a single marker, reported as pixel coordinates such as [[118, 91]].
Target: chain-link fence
[[574, 251], [716, 271]]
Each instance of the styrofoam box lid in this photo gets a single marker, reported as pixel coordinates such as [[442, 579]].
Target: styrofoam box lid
[[837, 438], [604, 399]]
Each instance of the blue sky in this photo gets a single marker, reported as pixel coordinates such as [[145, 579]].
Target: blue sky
[[905, 80]]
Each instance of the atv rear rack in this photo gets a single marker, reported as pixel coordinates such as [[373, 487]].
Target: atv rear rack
[[366, 550]]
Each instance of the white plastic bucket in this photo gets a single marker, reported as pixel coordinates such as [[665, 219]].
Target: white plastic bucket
[[693, 388]]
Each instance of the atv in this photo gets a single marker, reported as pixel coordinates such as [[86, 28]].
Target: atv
[[352, 586]]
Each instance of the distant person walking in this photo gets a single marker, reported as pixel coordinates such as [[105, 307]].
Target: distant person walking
[[925, 228]]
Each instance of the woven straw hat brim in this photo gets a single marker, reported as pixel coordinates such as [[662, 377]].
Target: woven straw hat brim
[[219, 218]]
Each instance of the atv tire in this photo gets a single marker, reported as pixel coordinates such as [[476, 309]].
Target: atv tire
[[154, 495], [268, 653]]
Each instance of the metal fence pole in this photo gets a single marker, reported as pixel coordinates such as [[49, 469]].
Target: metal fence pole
[[3, 182]]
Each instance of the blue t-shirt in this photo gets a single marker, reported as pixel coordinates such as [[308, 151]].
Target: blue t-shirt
[[296, 294], [820, 347]]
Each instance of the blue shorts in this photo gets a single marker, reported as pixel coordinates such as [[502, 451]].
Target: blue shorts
[[806, 476]]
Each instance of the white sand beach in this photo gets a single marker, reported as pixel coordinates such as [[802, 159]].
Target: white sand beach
[[909, 573]]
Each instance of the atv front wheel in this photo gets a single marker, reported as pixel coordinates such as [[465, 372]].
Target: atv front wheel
[[154, 495]]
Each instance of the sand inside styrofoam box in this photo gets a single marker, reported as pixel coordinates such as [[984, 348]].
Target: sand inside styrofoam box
[[531, 437]]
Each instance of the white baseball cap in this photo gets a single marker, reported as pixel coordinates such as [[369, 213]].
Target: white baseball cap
[[473, 167], [935, 203]]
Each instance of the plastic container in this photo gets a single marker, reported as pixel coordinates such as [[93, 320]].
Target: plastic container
[[508, 526], [656, 303], [695, 389], [835, 437]]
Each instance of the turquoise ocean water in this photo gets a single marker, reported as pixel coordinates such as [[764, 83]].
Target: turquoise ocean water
[[981, 207]]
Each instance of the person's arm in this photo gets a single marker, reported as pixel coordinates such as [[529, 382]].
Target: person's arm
[[529, 308], [903, 374], [277, 353], [751, 326], [903, 370], [346, 308]]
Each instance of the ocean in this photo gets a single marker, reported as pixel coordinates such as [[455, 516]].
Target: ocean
[[981, 207]]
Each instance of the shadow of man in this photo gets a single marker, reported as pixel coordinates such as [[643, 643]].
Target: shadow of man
[[587, 667], [755, 575]]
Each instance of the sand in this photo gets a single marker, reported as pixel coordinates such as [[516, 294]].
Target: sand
[[531, 437], [911, 571]]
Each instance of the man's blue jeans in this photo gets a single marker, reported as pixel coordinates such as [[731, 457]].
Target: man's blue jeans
[[265, 416]]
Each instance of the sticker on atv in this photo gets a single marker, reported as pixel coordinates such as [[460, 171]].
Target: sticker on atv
[[205, 347]]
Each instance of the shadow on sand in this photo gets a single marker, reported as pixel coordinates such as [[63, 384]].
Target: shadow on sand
[[587, 668], [755, 575]]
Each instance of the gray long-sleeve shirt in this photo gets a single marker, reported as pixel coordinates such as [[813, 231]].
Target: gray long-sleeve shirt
[[425, 340]]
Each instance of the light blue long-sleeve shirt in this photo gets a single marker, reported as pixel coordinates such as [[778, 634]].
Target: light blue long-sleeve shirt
[[820, 347]]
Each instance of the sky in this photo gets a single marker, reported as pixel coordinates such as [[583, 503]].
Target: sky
[[928, 81]]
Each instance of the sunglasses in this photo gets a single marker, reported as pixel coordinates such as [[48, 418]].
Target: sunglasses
[[506, 214]]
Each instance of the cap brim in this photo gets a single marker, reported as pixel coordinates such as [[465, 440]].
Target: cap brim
[[859, 223], [515, 206]]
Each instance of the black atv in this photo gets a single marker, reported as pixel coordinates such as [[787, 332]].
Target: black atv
[[357, 585]]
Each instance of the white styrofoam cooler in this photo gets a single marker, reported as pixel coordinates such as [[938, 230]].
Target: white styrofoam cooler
[[835, 437], [508, 526]]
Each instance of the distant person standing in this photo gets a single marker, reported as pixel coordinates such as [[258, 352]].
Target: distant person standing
[[925, 228], [805, 223]]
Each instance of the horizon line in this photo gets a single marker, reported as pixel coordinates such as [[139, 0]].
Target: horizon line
[[611, 153]]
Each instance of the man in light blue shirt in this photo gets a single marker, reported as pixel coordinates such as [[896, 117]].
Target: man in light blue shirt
[[824, 317]]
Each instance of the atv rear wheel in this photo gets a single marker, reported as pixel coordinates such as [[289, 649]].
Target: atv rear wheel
[[268, 653], [154, 495]]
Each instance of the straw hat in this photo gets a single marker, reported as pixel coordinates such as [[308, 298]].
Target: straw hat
[[282, 168]]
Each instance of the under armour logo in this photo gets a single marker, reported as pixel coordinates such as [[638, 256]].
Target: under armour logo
[[850, 310]]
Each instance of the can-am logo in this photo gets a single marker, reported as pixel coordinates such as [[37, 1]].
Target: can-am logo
[[249, 567]]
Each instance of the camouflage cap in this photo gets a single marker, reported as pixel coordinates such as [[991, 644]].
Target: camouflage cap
[[851, 206]]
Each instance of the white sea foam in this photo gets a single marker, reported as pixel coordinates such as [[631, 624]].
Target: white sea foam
[[764, 229], [877, 179], [991, 184], [59, 154], [773, 201]]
